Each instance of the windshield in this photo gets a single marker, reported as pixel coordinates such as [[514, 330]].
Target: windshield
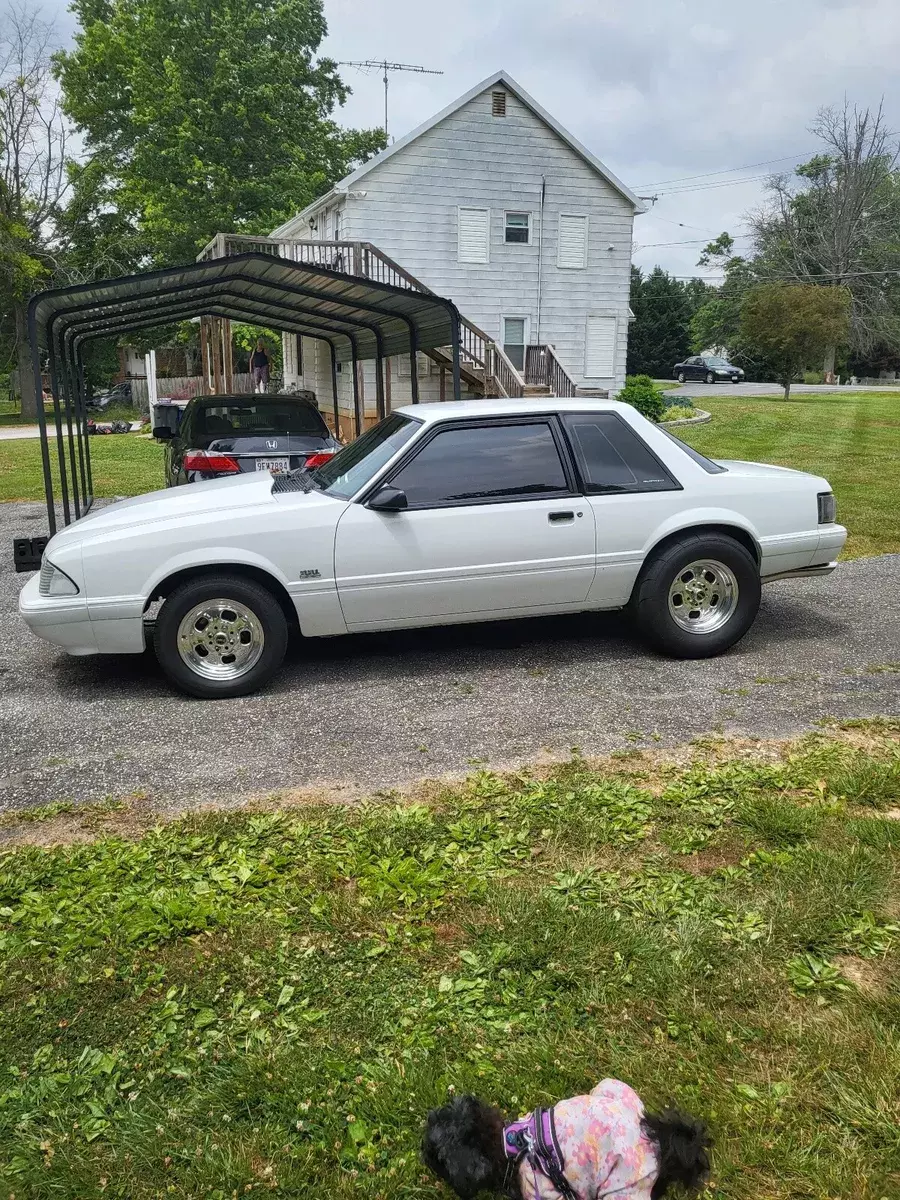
[[353, 467], [715, 361], [257, 418]]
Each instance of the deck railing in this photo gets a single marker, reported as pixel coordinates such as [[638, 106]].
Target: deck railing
[[542, 367], [500, 374], [368, 262]]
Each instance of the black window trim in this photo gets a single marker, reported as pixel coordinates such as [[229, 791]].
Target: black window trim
[[677, 485], [415, 448]]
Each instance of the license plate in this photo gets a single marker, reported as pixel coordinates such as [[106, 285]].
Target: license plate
[[278, 466]]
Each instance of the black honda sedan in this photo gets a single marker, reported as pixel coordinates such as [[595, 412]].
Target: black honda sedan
[[225, 435], [707, 367]]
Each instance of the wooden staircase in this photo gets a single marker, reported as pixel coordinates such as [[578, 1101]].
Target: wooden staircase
[[484, 367]]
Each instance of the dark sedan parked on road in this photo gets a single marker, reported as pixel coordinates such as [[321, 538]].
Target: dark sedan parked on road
[[708, 367], [225, 435]]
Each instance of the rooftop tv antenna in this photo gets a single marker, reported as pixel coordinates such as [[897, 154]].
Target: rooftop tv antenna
[[376, 64]]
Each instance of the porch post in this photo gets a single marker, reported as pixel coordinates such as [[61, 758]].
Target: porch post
[[414, 363]]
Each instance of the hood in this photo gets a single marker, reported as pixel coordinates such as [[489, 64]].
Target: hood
[[216, 495]]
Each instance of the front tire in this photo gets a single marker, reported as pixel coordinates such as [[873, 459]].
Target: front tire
[[220, 636], [710, 378], [697, 597], [681, 377]]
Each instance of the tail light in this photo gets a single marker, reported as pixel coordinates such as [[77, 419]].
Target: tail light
[[205, 460], [827, 508], [316, 460]]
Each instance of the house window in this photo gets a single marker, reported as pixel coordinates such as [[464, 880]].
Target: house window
[[498, 104], [573, 237], [515, 339], [518, 227], [473, 235], [600, 348]]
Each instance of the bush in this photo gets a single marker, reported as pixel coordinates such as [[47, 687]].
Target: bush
[[641, 393], [677, 412], [813, 377]]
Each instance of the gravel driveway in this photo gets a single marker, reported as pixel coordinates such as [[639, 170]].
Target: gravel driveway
[[372, 712]]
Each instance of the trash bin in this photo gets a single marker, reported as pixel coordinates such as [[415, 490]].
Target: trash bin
[[167, 412]]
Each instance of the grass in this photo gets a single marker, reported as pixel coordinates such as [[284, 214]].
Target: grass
[[852, 438], [270, 1001], [122, 464]]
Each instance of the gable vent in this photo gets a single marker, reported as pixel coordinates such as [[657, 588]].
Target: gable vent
[[498, 104]]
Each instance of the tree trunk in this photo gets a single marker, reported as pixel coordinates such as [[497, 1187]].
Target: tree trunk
[[23, 362], [829, 364], [786, 384]]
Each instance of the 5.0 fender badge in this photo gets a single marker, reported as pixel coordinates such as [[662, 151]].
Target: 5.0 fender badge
[[309, 574]]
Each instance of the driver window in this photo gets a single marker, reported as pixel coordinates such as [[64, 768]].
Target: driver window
[[481, 464]]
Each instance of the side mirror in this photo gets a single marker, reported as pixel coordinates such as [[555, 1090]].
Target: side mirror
[[163, 433], [389, 499]]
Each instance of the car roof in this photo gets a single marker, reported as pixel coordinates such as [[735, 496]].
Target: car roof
[[252, 397], [456, 409]]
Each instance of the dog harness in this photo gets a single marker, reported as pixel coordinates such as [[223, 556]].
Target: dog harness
[[534, 1138], [585, 1148]]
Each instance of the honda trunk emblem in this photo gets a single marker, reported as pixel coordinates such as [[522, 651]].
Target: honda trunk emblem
[[273, 445]]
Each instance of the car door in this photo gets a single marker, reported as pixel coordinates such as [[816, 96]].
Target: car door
[[693, 366], [629, 491], [494, 527]]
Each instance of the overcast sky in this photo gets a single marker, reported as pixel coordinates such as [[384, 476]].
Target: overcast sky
[[658, 89]]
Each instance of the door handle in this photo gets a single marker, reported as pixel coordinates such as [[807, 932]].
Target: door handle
[[561, 518]]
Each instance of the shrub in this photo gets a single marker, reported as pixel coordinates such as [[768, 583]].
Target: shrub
[[641, 393], [678, 412], [813, 377]]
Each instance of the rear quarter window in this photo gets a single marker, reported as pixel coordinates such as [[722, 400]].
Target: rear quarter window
[[612, 457]]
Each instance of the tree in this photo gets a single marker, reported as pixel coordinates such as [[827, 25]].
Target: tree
[[196, 117], [660, 334], [32, 178], [835, 223], [794, 323]]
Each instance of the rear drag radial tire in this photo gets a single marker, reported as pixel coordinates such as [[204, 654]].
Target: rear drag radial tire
[[209, 587], [649, 605]]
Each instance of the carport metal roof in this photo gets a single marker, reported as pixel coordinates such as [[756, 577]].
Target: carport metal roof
[[357, 317]]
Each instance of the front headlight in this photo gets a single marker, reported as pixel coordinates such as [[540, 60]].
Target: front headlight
[[723, 372], [827, 508], [55, 582]]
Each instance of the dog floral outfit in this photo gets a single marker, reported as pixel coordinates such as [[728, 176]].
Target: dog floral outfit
[[605, 1152]]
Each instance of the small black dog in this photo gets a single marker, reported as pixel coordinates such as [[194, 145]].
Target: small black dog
[[584, 1148]]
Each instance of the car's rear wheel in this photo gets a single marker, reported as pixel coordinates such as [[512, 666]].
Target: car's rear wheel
[[220, 636], [681, 376], [710, 378], [698, 596]]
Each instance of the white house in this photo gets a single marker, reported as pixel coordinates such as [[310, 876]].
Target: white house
[[495, 205]]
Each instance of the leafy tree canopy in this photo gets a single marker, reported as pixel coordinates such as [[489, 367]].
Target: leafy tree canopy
[[793, 324], [198, 116], [660, 334]]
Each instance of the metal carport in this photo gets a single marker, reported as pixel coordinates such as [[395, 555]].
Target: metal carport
[[356, 317]]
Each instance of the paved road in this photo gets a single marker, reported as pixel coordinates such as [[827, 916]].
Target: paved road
[[698, 389], [371, 712], [10, 433]]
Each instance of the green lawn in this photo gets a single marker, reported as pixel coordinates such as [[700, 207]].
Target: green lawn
[[237, 1004], [123, 465], [853, 439]]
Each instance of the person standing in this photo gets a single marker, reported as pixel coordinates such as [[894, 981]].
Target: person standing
[[259, 366]]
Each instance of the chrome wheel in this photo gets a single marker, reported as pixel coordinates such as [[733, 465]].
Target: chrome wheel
[[220, 639], [703, 596]]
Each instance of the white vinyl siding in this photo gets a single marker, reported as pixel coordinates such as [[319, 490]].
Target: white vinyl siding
[[474, 229], [423, 365], [600, 348], [573, 241]]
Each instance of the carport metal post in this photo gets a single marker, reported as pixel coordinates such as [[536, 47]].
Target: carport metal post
[[334, 391], [358, 420], [41, 416], [64, 386], [454, 332], [60, 446]]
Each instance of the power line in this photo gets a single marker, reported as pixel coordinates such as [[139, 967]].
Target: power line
[[688, 242], [726, 171]]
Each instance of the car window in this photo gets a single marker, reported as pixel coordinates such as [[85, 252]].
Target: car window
[[484, 463], [352, 468], [256, 418], [612, 458]]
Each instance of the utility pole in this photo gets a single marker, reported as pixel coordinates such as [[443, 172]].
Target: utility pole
[[375, 64]]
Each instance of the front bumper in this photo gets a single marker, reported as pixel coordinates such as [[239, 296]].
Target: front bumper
[[66, 621]]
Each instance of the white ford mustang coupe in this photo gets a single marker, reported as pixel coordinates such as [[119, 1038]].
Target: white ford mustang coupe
[[442, 513]]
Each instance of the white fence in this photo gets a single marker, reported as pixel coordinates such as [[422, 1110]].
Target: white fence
[[181, 388]]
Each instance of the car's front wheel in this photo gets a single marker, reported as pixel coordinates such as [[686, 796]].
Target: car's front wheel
[[220, 636], [681, 377], [697, 596], [710, 378]]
